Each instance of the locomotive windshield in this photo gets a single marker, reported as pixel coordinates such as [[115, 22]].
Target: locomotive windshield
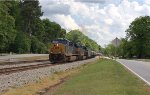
[[62, 41]]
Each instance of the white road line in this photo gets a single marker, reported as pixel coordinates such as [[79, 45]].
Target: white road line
[[148, 83]]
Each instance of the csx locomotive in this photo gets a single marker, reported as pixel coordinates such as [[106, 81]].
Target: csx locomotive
[[63, 50]]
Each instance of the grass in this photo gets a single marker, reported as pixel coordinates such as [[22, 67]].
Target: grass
[[145, 60], [105, 77]]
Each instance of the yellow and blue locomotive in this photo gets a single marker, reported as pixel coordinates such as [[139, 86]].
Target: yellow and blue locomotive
[[63, 50]]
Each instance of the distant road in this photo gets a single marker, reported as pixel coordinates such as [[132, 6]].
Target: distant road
[[139, 68], [7, 57]]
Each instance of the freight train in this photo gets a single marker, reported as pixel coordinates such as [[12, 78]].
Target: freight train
[[63, 50]]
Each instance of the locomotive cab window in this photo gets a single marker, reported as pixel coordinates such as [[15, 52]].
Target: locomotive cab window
[[71, 44], [62, 41]]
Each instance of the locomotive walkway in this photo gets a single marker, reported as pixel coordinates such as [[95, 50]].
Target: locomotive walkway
[[139, 68]]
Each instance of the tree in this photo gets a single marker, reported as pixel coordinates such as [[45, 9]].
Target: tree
[[7, 28], [23, 31], [37, 46], [138, 34], [75, 36], [78, 37], [62, 33], [38, 30], [110, 50], [52, 30], [22, 43], [125, 49], [31, 11]]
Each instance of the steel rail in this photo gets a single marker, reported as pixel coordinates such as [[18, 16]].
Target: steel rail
[[10, 70]]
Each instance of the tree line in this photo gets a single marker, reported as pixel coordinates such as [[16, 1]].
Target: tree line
[[23, 31], [78, 37], [136, 44]]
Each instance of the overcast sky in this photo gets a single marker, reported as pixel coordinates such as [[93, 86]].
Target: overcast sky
[[101, 20]]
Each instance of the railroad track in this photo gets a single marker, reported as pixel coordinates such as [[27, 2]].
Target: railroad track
[[10, 70]]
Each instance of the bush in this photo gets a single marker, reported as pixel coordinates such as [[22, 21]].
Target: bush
[[22, 43], [37, 46]]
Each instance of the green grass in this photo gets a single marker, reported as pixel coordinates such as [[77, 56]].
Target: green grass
[[145, 60], [105, 77]]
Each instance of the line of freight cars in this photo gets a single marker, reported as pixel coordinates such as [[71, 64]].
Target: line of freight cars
[[63, 50]]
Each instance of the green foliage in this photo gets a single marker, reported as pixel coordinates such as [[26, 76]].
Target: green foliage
[[78, 37], [125, 49], [110, 50], [62, 33], [37, 46], [52, 30], [138, 34], [39, 30], [75, 36], [23, 31], [22, 43], [19, 21], [7, 30], [30, 11], [136, 43]]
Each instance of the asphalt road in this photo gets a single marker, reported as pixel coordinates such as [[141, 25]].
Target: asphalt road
[[8, 57], [139, 68]]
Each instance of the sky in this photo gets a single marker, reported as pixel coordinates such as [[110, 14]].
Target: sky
[[100, 20]]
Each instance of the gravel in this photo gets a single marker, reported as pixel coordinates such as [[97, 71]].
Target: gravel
[[31, 76]]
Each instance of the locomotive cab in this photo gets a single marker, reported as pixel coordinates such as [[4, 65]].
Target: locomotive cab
[[57, 50], [62, 50]]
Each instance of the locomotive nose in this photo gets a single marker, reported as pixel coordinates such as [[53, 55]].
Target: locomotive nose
[[56, 49]]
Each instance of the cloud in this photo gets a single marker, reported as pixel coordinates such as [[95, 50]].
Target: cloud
[[52, 9], [100, 23], [91, 1], [66, 22], [147, 2]]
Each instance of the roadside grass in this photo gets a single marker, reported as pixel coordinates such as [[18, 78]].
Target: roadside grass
[[105, 77], [145, 60]]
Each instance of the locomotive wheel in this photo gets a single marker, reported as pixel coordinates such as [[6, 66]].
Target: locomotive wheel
[[49, 58], [52, 62], [65, 59]]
